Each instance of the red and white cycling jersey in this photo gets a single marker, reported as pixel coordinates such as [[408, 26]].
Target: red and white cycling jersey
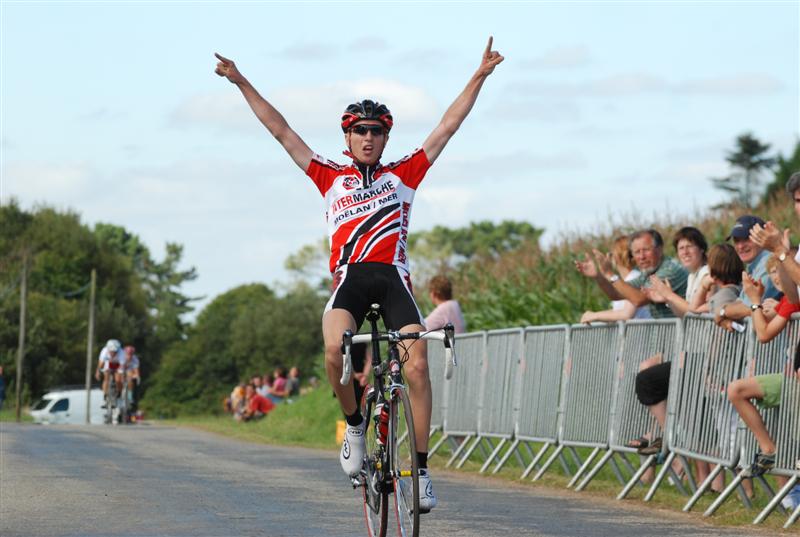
[[369, 224]]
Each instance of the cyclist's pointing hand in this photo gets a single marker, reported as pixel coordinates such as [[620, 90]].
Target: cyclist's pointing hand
[[490, 59], [227, 68]]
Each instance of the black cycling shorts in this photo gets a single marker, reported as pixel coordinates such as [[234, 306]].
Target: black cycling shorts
[[359, 285]]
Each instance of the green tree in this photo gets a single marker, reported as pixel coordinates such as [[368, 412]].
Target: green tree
[[748, 162], [783, 170]]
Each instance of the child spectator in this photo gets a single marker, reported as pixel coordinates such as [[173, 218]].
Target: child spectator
[[293, 382], [765, 390]]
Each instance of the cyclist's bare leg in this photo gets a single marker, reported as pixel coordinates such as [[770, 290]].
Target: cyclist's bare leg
[[105, 382], [419, 386], [334, 323]]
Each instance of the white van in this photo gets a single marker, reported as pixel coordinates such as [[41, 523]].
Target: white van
[[69, 406]]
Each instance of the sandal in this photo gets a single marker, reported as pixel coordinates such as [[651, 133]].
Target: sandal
[[638, 443], [652, 448], [762, 463]]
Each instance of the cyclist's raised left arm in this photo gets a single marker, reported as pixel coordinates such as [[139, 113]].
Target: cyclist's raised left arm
[[461, 107]]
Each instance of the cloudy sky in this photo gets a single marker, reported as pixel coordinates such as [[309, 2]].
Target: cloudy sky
[[600, 109]]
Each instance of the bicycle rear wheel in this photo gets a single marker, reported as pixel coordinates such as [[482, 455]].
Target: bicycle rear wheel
[[376, 494], [405, 470]]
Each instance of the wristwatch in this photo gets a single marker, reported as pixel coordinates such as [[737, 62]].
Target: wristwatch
[[754, 307], [722, 313], [613, 278], [782, 257]]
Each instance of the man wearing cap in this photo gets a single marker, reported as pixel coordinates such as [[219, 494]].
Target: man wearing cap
[[754, 258]]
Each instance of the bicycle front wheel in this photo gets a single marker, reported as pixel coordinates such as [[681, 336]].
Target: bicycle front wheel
[[376, 494], [405, 470]]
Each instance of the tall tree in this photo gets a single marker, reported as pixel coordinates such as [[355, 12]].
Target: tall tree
[[748, 162], [784, 169]]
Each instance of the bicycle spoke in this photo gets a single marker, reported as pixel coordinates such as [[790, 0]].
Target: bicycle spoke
[[376, 500], [404, 466]]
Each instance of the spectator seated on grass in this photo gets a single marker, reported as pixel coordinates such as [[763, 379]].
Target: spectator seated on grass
[[647, 248], [256, 406], [293, 382], [621, 310], [279, 392]]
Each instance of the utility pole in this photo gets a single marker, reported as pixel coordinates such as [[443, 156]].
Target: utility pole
[[89, 349], [23, 303]]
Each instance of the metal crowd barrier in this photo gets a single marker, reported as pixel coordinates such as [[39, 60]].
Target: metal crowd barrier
[[462, 401], [540, 393], [702, 424], [586, 404], [776, 356], [642, 339], [499, 391], [438, 386], [569, 387]]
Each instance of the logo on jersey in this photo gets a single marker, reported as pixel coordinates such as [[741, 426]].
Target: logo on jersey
[[350, 182]]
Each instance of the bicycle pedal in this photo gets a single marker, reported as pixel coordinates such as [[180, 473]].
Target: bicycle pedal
[[357, 481]]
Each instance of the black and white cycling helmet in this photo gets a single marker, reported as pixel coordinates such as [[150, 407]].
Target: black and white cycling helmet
[[113, 345], [367, 109]]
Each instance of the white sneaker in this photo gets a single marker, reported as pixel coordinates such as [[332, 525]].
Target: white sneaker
[[427, 499], [353, 448]]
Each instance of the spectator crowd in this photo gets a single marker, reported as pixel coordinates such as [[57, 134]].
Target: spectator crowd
[[755, 273]]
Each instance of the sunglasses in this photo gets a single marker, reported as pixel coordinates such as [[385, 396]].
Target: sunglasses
[[362, 130]]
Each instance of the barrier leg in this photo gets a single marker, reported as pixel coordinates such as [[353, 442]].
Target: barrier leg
[[535, 461], [583, 467], [437, 445], [617, 470], [776, 500], [627, 463], [483, 447], [457, 452], [793, 518], [702, 488], [511, 449], [603, 460], [743, 496], [687, 471], [659, 477], [493, 455], [575, 457], [636, 477], [469, 451], [547, 464], [724, 495], [520, 458], [562, 460]]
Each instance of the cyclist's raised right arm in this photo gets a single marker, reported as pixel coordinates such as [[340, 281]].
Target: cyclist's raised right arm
[[266, 113]]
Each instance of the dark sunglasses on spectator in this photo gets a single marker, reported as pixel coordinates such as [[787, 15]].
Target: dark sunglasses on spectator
[[362, 130]]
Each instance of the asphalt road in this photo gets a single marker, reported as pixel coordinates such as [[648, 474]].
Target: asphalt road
[[162, 481]]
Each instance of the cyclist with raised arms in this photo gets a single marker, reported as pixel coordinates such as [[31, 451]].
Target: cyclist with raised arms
[[368, 205]]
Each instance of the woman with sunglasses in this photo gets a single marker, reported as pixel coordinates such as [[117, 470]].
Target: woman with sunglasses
[[368, 208]]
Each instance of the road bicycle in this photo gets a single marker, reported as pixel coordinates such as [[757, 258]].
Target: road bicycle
[[389, 477]]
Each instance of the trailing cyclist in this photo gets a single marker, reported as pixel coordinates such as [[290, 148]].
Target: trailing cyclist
[[368, 205]]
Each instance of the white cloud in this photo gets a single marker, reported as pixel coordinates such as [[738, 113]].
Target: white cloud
[[524, 110], [560, 57], [38, 181], [623, 84], [746, 84], [308, 107], [311, 51], [372, 43]]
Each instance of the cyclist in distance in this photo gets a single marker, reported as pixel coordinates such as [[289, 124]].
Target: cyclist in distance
[[109, 361], [368, 205]]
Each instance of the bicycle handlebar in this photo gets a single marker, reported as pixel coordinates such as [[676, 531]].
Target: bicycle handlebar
[[446, 335]]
